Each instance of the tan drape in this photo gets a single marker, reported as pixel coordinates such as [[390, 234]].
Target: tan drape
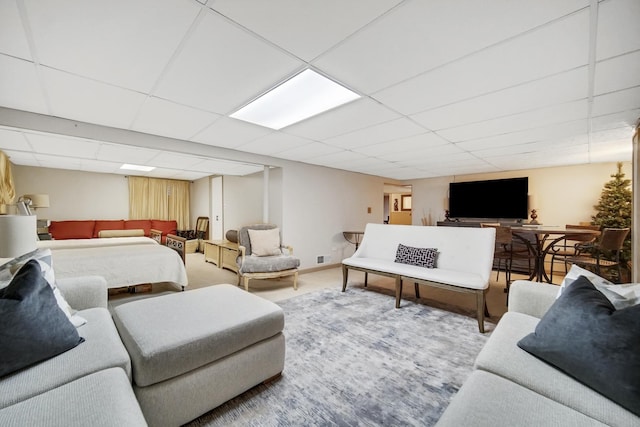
[[152, 198], [7, 188]]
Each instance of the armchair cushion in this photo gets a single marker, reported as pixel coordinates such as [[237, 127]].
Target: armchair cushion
[[267, 264], [265, 242]]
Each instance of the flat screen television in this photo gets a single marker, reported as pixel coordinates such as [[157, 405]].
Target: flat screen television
[[498, 198]]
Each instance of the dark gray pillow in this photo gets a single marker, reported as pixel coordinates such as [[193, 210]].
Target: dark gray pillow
[[422, 257], [33, 327], [584, 336]]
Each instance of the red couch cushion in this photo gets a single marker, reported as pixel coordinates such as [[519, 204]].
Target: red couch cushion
[[115, 224], [138, 224], [167, 227], [81, 229]]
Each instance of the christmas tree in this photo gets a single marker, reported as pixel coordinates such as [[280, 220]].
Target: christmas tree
[[614, 208]]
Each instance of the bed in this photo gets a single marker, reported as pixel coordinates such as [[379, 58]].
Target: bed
[[122, 265]]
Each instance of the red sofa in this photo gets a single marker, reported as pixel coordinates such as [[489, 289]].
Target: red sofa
[[88, 229]]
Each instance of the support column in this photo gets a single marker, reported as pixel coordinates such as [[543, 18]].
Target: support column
[[265, 195]]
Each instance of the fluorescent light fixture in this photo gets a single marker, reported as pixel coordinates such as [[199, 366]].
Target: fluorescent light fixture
[[302, 96], [137, 168]]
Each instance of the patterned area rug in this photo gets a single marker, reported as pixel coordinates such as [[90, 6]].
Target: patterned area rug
[[352, 359]]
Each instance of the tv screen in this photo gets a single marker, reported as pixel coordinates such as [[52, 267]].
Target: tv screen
[[498, 198]]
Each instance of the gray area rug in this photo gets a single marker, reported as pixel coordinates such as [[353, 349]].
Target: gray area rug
[[352, 359]]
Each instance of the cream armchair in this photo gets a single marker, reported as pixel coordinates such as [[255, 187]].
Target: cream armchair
[[262, 256]]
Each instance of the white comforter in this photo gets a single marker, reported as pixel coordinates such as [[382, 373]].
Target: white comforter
[[94, 243], [124, 265]]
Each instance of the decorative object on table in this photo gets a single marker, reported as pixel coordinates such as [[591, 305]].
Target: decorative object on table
[[447, 216], [7, 187], [534, 217], [395, 205], [614, 211], [18, 235]]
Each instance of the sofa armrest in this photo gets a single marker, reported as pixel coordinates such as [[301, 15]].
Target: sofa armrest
[[532, 298], [84, 292]]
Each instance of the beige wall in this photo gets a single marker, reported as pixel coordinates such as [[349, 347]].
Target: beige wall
[[75, 194], [562, 195]]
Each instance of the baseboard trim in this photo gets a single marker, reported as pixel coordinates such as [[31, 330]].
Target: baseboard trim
[[319, 268]]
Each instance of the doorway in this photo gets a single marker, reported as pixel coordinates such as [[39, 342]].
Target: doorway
[[398, 204]]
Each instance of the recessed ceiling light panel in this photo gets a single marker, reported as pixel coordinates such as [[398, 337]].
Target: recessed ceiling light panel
[[302, 96], [137, 168]]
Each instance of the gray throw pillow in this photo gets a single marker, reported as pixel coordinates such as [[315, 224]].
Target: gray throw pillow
[[584, 336], [422, 257], [33, 328]]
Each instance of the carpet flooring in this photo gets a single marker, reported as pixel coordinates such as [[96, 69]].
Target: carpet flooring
[[352, 359]]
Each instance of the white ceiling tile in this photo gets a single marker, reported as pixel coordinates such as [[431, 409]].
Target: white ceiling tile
[[161, 117], [189, 175], [420, 35], [416, 142], [616, 102], [22, 158], [19, 86], [58, 162], [13, 140], [171, 160], [308, 152], [100, 166], [609, 135], [302, 28], [217, 75], [516, 61], [624, 119], [436, 154], [337, 158], [558, 89], [543, 133], [274, 143], [394, 129], [124, 43], [618, 73], [86, 100], [618, 29], [126, 154], [230, 133], [612, 151], [62, 146], [12, 36], [542, 117], [347, 118]]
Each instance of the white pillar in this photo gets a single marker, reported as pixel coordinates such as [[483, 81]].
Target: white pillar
[[265, 195]]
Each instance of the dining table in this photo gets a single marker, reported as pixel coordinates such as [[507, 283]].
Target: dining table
[[540, 239]]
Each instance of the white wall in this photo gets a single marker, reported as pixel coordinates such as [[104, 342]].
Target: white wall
[[242, 200], [320, 203], [199, 201], [75, 194], [562, 195]]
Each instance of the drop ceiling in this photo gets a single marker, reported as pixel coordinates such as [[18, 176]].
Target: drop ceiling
[[447, 87]]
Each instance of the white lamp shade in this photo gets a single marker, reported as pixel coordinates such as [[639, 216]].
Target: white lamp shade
[[17, 235], [38, 200]]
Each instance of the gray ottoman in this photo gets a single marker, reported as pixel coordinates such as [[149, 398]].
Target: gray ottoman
[[194, 350]]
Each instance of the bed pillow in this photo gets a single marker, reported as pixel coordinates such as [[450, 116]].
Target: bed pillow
[[422, 257], [265, 242], [33, 326], [583, 335], [621, 296]]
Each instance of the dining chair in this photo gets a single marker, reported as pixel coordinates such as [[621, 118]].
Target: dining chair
[[605, 253], [571, 245], [508, 249]]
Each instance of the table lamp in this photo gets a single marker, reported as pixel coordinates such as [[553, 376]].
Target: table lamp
[[17, 235]]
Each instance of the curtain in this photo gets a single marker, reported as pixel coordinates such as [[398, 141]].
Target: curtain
[[7, 188], [153, 198]]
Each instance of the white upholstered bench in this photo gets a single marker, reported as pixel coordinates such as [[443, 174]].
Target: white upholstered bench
[[192, 351]]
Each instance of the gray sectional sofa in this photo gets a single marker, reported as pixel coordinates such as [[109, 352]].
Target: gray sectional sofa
[[88, 385], [510, 387]]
